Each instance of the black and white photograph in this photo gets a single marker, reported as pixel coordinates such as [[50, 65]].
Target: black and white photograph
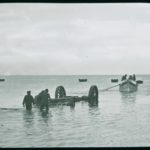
[[74, 75]]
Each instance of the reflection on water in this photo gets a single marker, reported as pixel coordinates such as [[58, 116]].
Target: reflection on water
[[128, 97], [128, 107], [45, 116], [28, 115], [28, 118], [94, 111], [93, 104]]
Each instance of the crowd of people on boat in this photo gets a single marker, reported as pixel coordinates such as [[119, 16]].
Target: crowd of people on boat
[[131, 77], [41, 100]]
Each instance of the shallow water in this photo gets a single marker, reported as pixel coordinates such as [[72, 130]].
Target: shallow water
[[120, 119]]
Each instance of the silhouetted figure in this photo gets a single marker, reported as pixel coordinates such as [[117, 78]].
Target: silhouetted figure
[[134, 77], [45, 97], [38, 98], [28, 101], [130, 77], [124, 77]]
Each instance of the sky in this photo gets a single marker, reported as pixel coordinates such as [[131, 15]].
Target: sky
[[74, 39]]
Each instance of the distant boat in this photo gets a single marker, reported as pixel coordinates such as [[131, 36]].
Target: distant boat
[[128, 86], [2, 79], [82, 80], [114, 80], [139, 81]]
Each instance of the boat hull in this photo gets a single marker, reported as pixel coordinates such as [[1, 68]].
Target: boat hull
[[128, 86], [82, 80], [2, 79], [114, 80]]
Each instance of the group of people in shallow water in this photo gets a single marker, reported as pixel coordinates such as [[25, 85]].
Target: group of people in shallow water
[[41, 100], [131, 77]]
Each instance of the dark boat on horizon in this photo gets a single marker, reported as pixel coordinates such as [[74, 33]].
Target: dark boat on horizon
[[82, 80], [114, 80], [2, 79]]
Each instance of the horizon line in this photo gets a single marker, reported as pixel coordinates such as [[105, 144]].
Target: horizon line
[[66, 74]]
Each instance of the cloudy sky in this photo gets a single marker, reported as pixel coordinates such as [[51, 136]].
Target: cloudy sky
[[67, 39]]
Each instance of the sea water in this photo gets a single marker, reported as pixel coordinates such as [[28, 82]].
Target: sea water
[[120, 119]]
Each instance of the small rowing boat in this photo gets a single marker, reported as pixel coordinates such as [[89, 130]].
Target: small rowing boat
[[128, 86], [82, 80], [114, 80], [2, 79]]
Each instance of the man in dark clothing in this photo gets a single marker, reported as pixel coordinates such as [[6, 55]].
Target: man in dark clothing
[[130, 77], [134, 78], [45, 97], [39, 98], [28, 101], [123, 77]]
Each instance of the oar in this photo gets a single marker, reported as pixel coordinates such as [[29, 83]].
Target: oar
[[110, 87]]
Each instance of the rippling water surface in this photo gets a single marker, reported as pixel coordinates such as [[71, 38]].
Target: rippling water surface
[[120, 119]]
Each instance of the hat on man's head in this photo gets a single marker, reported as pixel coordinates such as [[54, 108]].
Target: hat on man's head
[[46, 90], [28, 92]]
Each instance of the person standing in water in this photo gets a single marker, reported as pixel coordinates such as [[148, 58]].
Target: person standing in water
[[45, 97], [28, 100], [40, 98]]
